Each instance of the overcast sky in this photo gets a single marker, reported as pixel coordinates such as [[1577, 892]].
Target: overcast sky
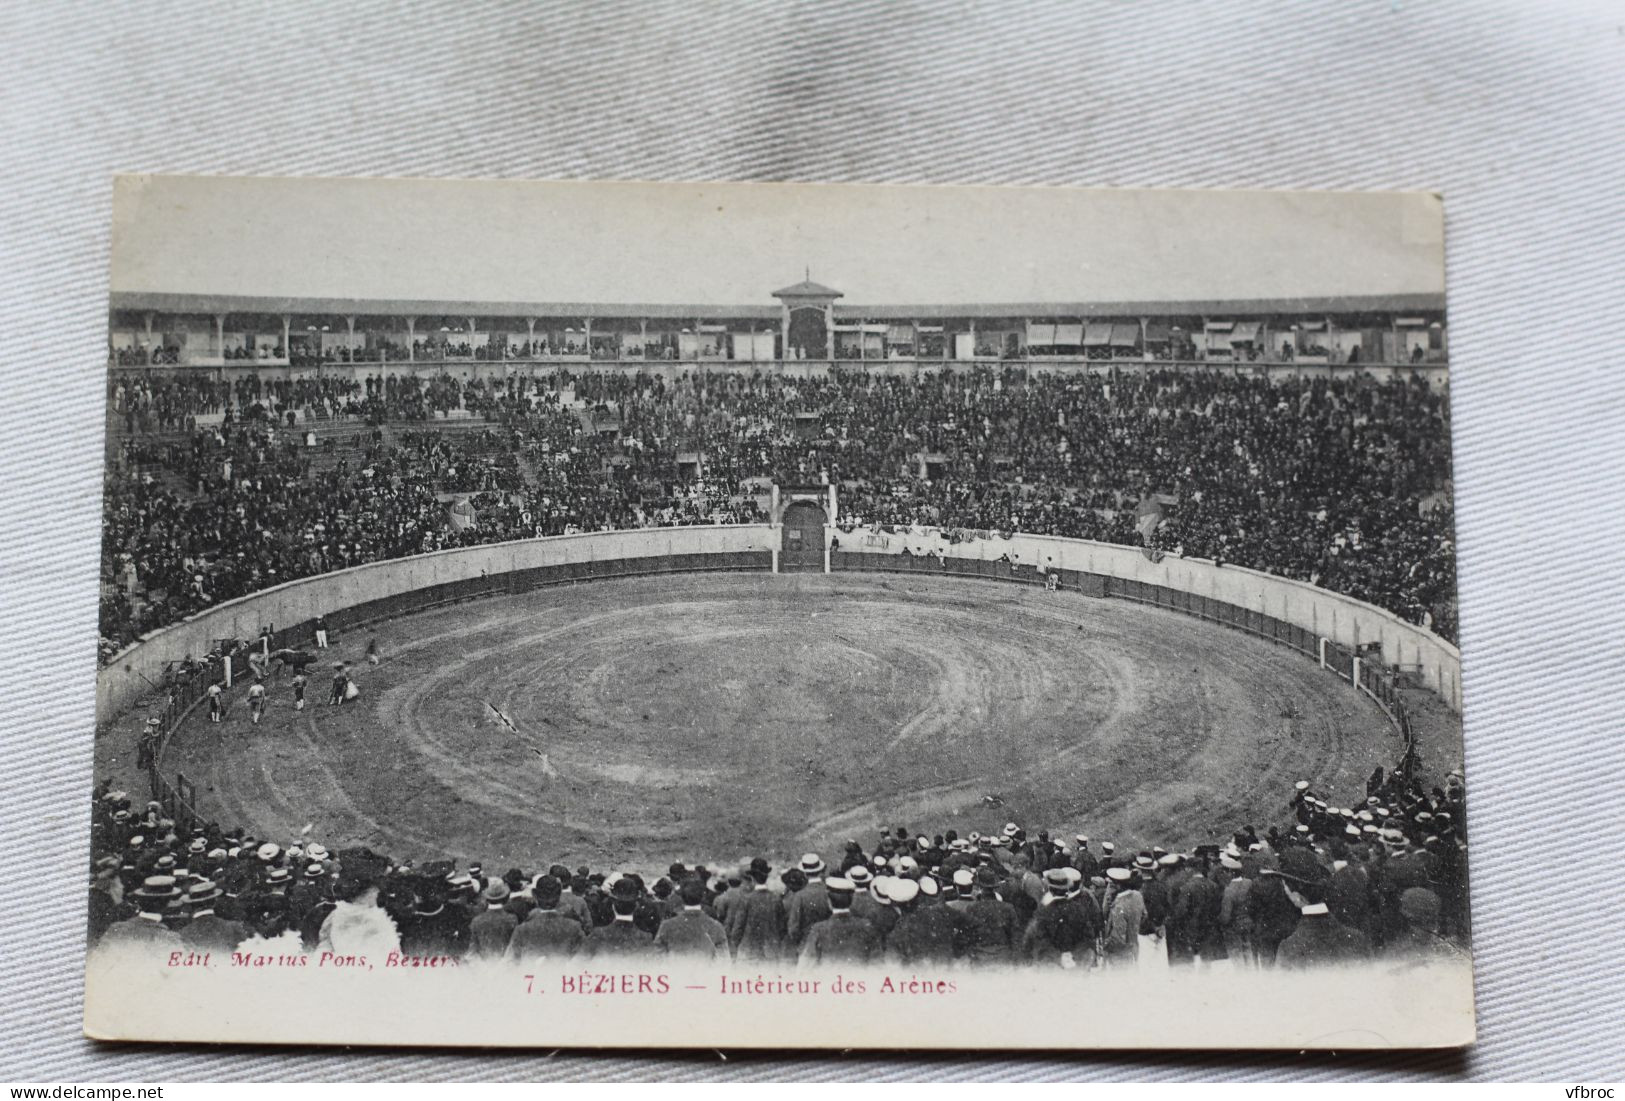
[[731, 244]]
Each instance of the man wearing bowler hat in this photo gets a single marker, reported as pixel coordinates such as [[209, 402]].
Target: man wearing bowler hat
[[1319, 938], [622, 937], [547, 934], [692, 934], [756, 925]]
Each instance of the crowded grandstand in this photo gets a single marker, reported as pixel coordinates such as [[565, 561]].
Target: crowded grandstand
[[1339, 482]]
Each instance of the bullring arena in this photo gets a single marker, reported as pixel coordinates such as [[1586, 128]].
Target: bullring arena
[[630, 721]]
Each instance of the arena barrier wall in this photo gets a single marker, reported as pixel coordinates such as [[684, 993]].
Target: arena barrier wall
[[1364, 642], [1290, 612], [379, 590], [1357, 642]]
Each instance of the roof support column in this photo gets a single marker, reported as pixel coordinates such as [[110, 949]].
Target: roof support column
[[530, 338], [349, 321], [643, 338], [1145, 346], [829, 330], [784, 330], [973, 338], [287, 339], [220, 335], [411, 339], [151, 348]]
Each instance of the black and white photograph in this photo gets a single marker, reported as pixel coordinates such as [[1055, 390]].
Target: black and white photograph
[[757, 615]]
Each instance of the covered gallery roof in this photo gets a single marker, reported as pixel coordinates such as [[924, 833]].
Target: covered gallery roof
[[207, 304]]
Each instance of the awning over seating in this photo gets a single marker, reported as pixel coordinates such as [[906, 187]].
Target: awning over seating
[[1040, 335], [1220, 326], [1410, 322], [1246, 332], [900, 334], [929, 328], [1125, 334], [1158, 332], [1097, 334], [1069, 336], [1311, 326]]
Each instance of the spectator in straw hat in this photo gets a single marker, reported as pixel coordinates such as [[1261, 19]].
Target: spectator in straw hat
[[1125, 917], [1084, 860], [992, 928], [1235, 907], [842, 938], [808, 906], [490, 931], [146, 930], [926, 932], [208, 931], [1062, 930]]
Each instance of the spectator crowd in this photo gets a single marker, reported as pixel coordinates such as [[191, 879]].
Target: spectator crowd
[[215, 489], [1382, 879]]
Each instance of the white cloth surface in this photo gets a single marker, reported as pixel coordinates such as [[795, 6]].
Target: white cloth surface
[[1510, 109]]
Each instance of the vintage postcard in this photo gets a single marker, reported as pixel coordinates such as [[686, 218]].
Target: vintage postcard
[[660, 615]]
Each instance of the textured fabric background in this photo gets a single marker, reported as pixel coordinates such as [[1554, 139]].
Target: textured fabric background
[[1510, 109]]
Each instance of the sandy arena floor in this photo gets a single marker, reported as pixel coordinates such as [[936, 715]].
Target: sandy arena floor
[[705, 717]]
